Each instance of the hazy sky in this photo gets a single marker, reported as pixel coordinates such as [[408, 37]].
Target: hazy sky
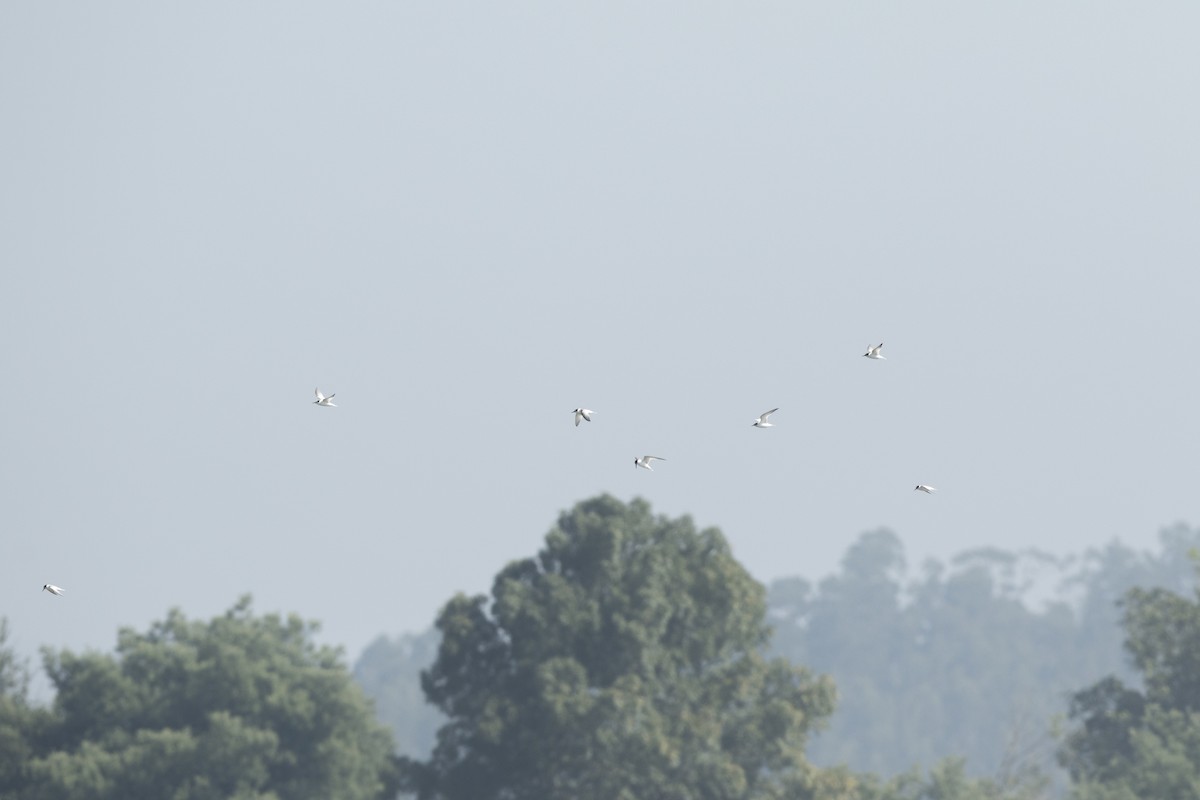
[[466, 219]]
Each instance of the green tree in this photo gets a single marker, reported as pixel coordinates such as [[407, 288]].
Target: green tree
[[238, 707], [624, 661], [1144, 743]]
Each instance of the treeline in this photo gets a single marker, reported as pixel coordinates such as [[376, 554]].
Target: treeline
[[632, 658], [976, 658], [973, 660]]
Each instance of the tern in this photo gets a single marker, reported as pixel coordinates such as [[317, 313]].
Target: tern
[[322, 400], [761, 422], [873, 352], [52, 589], [584, 414], [644, 462], [920, 487]]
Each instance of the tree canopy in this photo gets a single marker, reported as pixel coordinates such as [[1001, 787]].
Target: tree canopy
[[624, 661], [974, 657], [1132, 743], [237, 707]]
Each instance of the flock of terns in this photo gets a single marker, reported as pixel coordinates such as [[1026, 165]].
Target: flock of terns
[[585, 415]]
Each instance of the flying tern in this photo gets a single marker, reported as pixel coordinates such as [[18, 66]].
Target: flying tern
[[873, 352], [644, 462], [322, 400], [584, 414], [920, 487], [52, 589], [761, 422]]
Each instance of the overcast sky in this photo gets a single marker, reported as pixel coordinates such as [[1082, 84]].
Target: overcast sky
[[466, 219]]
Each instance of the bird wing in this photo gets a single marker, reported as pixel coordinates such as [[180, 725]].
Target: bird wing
[[320, 396], [766, 414]]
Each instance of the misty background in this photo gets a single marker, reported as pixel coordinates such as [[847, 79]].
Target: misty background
[[466, 220]]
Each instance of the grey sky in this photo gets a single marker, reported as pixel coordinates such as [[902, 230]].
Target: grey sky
[[466, 219]]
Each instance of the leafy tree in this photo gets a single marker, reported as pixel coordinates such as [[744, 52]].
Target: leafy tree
[[238, 707], [1132, 743], [624, 661], [974, 657]]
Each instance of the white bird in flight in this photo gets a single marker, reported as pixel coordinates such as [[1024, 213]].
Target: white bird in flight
[[644, 462], [761, 422], [582, 413], [322, 400], [920, 487], [52, 589], [873, 352]]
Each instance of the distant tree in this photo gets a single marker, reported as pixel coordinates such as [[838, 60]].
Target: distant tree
[[951, 662], [238, 707], [1144, 743], [948, 780], [14, 675], [18, 720], [624, 661], [1104, 577], [389, 672]]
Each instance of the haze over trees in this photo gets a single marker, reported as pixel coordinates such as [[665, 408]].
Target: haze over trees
[[631, 659], [389, 670], [973, 659]]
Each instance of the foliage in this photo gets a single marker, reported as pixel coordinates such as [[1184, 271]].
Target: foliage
[[1132, 743], [975, 658], [623, 661], [238, 707]]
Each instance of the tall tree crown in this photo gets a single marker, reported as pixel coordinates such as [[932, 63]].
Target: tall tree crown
[[623, 660]]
